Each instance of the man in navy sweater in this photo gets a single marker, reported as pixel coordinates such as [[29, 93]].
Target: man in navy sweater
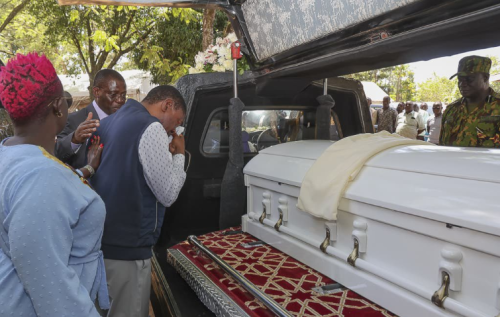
[[141, 173]]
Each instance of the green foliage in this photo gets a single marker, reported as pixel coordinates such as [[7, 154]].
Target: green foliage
[[179, 42], [396, 81], [23, 34], [96, 37], [495, 69], [439, 88]]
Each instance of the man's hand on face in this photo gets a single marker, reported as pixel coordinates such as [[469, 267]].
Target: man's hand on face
[[85, 130], [177, 146]]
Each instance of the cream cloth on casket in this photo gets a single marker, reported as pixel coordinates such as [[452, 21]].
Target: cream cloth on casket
[[325, 182]]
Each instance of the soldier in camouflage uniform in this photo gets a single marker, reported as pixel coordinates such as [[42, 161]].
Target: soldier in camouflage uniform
[[473, 120]]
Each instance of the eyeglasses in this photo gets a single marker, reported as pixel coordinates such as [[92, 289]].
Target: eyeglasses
[[115, 97]]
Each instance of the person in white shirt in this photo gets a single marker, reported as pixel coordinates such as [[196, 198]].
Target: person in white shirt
[[141, 173], [434, 123], [110, 92], [409, 123], [424, 116]]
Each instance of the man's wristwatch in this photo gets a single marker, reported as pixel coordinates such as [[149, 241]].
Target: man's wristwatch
[[90, 169]]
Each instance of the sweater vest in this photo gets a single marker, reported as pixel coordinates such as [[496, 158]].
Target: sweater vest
[[133, 215]]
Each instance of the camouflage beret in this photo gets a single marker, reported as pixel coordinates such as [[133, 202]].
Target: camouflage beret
[[472, 65]]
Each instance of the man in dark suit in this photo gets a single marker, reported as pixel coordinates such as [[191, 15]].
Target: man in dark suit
[[110, 92]]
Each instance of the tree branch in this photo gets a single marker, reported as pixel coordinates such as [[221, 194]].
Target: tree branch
[[119, 54], [91, 45], [80, 52], [127, 26], [102, 59], [13, 14], [7, 53]]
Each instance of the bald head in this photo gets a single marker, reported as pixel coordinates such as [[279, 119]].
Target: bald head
[[385, 102], [110, 90]]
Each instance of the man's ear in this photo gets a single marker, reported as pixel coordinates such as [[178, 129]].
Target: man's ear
[[167, 103], [95, 91]]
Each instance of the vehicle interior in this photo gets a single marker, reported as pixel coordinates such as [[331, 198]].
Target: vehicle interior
[[275, 113]]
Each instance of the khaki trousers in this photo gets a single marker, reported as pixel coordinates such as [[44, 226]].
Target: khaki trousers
[[129, 286]]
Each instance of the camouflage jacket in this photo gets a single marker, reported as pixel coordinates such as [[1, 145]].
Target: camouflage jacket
[[479, 128], [6, 128]]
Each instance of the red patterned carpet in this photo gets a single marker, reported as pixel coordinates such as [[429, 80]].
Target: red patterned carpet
[[283, 278]]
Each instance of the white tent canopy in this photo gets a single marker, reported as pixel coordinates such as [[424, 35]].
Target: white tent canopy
[[373, 91], [495, 77]]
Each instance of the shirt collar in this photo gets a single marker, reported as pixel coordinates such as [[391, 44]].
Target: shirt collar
[[101, 114]]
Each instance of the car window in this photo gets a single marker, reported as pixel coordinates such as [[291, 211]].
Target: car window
[[262, 129]]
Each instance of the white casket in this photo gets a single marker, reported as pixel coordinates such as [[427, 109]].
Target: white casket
[[423, 218]]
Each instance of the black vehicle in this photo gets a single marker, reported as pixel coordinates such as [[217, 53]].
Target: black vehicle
[[279, 111], [289, 63]]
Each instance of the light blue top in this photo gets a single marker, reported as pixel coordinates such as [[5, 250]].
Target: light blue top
[[51, 226]]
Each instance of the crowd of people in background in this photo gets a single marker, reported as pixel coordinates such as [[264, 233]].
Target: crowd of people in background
[[471, 121], [408, 119]]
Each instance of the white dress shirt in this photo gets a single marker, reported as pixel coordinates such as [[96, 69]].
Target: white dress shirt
[[164, 173], [409, 124], [434, 124], [101, 114]]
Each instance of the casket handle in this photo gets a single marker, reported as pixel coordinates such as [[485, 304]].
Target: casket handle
[[263, 216], [279, 222], [442, 293], [326, 243], [354, 254]]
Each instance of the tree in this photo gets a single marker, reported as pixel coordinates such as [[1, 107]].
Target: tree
[[98, 37], [439, 88], [495, 69], [174, 45], [208, 27], [396, 81], [18, 7], [403, 82]]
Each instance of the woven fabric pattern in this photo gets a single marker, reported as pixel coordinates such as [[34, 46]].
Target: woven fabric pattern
[[283, 278]]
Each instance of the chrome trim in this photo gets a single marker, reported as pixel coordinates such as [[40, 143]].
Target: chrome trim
[[162, 290], [208, 292], [235, 77], [260, 295]]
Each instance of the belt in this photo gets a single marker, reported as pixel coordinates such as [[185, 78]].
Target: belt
[[100, 287]]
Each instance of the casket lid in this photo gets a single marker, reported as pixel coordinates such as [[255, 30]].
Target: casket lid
[[287, 163], [454, 185]]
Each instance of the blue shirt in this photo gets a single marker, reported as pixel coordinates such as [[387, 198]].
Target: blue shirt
[[51, 225]]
